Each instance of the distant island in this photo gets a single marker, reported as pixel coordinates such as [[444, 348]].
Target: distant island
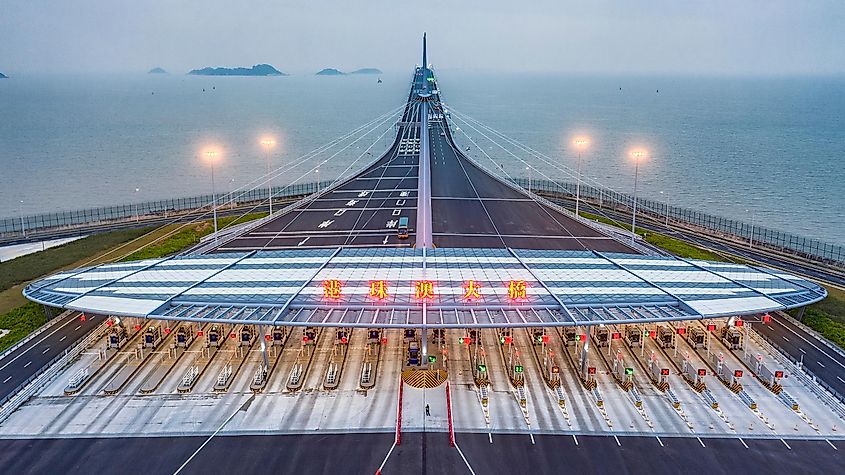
[[3, 76], [156, 71], [330, 72], [367, 71], [257, 70], [337, 72]]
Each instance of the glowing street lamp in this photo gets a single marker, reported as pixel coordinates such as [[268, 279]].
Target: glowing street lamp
[[23, 228], [637, 155], [667, 207], [268, 143], [581, 143], [135, 205], [211, 155]]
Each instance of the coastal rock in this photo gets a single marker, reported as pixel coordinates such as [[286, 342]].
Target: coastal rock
[[257, 70]]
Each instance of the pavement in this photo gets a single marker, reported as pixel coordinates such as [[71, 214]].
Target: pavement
[[18, 366]]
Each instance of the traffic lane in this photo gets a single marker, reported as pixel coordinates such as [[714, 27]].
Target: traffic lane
[[387, 238], [427, 453], [555, 454], [307, 453], [835, 357], [817, 362], [563, 243], [19, 366], [460, 217], [348, 218], [394, 170]]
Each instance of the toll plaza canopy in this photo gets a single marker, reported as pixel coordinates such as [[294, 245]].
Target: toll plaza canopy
[[449, 287]]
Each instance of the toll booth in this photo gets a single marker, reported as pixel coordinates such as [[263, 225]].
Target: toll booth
[[633, 336], [215, 336], [570, 336], [414, 354], [602, 336], [247, 335], [732, 337], [184, 335], [342, 336], [409, 335], [277, 336], [475, 336], [152, 337], [697, 337], [537, 336], [665, 336], [117, 337], [373, 336], [309, 336]]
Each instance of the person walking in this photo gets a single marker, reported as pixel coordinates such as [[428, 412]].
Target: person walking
[[427, 410]]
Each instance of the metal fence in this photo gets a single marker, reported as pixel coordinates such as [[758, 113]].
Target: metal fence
[[755, 234], [123, 212]]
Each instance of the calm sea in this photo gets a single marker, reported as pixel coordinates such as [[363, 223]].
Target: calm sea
[[767, 149]]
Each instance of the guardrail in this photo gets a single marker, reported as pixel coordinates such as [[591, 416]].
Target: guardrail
[[36, 381], [816, 334], [35, 333], [822, 390], [761, 236]]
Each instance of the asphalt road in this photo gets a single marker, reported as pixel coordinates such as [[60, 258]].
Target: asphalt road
[[827, 364], [18, 366], [419, 453]]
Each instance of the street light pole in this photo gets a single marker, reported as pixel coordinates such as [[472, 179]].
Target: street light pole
[[23, 228], [667, 208], [267, 144], [580, 143], [211, 155], [751, 236], [135, 205], [637, 154]]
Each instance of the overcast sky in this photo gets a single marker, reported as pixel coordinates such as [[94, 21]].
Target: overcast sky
[[621, 36]]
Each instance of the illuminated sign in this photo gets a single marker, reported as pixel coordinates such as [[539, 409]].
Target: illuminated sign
[[767, 318], [681, 330], [378, 289], [738, 323], [711, 327], [738, 373], [199, 333], [652, 333], [616, 335], [82, 318], [591, 370], [702, 372], [555, 369], [517, 290], [424, 289], [472, 290], [629, 371], [332, 289], [778, 374], [664, 372]]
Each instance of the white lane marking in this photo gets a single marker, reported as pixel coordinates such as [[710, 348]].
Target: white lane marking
[[802, 350], [403, 194], [820, 364], [618, 444], [809, 343], [325, 223], [575, 439], [701, 442], [73, 319], [471, 471], [351, 202], [840, 379], [391, 224], [211, 437], [830, 444], [385, 240], [303, 241], [787, 445], [63, 338], [77, 327], [45, 350], [490, 437], [396, 212], [784, 338], [7, 380], [660, 442], [532, 438], [27, 364], [340, 212], [743, 443], [363, 194]]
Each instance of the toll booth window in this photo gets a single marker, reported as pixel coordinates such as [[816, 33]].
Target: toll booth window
[[373, 334]]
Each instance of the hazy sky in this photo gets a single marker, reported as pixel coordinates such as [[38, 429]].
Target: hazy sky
[[665, 36]]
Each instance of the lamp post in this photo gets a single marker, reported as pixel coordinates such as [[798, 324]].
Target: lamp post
[[580, 144], [135, 205], [528, 169], [23, 228], [751, 236], [268, 143], [667, 207], [637, 155], [317, 173], [231, 193], [212, 155]]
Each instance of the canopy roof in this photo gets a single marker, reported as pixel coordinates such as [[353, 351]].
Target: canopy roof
[[449, 287]]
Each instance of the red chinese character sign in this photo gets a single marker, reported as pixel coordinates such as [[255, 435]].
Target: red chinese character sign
[[517, 290], [378, 289], [332, 289], [472, 290], [424, 290]]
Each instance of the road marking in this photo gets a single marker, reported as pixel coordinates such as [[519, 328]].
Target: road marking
[[802, 350], [532, 438], [820, 364], [831, 444], [27, 364], [743, 443], [575, 439], [659, 441], [325, 223], [787, 445], [7, 380], [701, 442], [809, 343], [840, 379], [490, 437], [240, 408], [385, 240], [45, 350], [303, 241], [396, 212], [618, 444], [63, 338], [72, 319], [784, 338], [340, 212], [77, 327]]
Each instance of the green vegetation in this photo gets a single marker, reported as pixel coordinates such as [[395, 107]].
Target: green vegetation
[[31, 266], [675, 246], [187, 237], [825, 325], [21, 322]]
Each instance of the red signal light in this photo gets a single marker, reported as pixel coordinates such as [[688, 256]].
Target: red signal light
[[778, 374], [616, 335], [738, 323], [199, 333], [702, 372], [109, 323], [582, 337], [232, 335], [767, 318], [384, 341], [508, 340], [167, 331], [343, 340], [681, 330], [267, 337], [305, 339], [545, 338], [137, 328], [664, 371], [652, 333], [738, 373], [591, 370], [82, 318]]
